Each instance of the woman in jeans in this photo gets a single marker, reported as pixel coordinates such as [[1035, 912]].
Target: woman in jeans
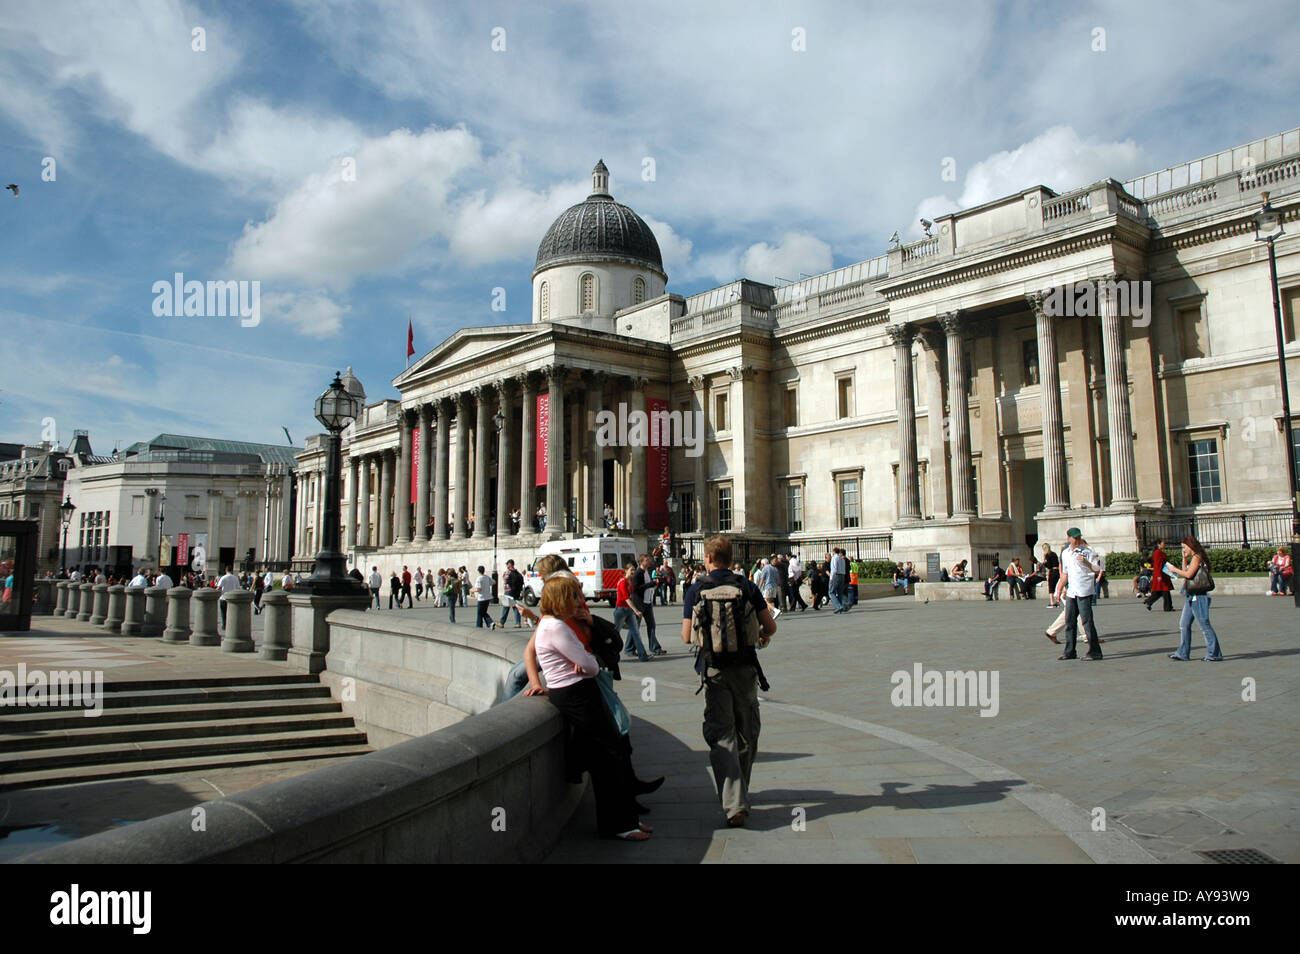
[[570, 671], [1197, 604]]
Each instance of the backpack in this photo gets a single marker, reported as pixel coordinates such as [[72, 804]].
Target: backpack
[[724, 627]]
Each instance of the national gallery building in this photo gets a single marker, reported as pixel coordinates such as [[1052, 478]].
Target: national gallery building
[[1104, 357]]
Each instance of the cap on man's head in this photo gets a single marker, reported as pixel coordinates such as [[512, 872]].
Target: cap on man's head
[[1074, 532]]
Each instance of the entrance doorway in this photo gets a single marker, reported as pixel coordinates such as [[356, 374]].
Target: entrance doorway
[[1033, 498]]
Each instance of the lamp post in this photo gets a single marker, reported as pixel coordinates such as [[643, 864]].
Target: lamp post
[[335, 409], [672, 528], [162, 516], [1268, 228], [66, 510]]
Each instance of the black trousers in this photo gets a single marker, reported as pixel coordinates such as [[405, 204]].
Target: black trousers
[[1168, 597], [595, 746]]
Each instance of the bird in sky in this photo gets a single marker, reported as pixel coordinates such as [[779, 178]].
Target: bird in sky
[[13, 187]]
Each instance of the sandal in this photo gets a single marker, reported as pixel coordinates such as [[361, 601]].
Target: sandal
[[636, 834]]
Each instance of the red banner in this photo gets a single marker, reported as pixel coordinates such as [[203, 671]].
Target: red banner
[[543, 455], [415, 465], [182, 549], [657, 478]]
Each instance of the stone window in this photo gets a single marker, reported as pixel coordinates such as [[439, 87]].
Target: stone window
[[724, 509], [638, 291], [1203, 471], [844, 396], [544, 301], [686, 510], [1029, 361], [588, 293], [1290, 305], [850, 507], [191, 505], [791, 407], [720, 411], [794, 507], [137, 504]]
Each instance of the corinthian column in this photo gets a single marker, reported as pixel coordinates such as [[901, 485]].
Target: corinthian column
[[1056, 486], [505, 455], [363, 517], [482, 457], [958, 413], [351, 539], [403, 489], [385, 515], [555, 472], [909, 489], [424, 484], [462, 466], [441, 477], [528, 451], [1123, 474], [595, 382]]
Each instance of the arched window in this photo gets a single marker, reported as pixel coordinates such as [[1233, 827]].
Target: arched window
[[544, 305], [638, 291], [588, 292]]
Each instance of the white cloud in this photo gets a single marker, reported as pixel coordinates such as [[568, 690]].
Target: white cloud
[[796, 252], [328, 231], [508, 225], [675, 249], [313, 314], [1058, 158]]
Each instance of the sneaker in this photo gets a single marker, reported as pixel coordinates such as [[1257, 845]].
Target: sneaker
[[776, 614]]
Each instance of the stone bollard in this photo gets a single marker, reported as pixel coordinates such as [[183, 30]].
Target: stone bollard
[[61, 598], [276, 639], [133, 618], [74, 597], [203, 617], [239, 622], [116, 608], [99, 612], [155, 611], [87, 603], [178, 615], [45, 590]]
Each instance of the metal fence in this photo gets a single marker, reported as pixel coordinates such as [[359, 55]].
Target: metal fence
[[1221, 531]]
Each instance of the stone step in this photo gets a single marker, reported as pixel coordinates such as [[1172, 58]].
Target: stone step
[[185, 695], [166, 749], [59, 742], [201, 762], [44, 720]]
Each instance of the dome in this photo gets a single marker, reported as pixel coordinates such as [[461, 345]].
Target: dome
[[599, 229], [353, 386]]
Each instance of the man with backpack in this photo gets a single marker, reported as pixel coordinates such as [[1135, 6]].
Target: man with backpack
[[726, 617]]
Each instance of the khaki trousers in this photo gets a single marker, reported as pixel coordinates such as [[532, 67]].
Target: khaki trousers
[[731, 727]]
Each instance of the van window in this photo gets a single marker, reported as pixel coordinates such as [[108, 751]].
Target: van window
[[570, 561], [609, 561]]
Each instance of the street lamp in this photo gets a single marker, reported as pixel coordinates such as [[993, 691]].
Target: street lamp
[[1268, 228], [66, 510], [672, 528], [162, 516], [335, 409]]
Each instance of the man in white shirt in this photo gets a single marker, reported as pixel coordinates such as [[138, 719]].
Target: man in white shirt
[[839, 581], [484, 590], [795, 575], [1080, 565], [75, 575], [164, 580], [227, 584], [287, 581], [139, 579], [376, 584]]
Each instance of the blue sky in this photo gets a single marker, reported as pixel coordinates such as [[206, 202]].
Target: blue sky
[[227, 163]]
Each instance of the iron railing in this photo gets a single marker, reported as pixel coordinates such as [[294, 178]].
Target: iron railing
[[1220, 530], [747, 549]]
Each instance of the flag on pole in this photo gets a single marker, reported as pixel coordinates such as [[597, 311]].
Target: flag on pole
[[410, 341]]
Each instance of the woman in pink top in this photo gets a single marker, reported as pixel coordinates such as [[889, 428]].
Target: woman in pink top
[[571, 687]]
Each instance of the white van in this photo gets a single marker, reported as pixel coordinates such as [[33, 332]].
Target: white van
[[597, 562]]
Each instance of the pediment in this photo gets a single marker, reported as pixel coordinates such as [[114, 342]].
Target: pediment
[[464, 346]]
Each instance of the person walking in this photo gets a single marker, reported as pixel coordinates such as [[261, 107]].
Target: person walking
[[406, 588], [1161, 588], [1196, 571], [794, 576], [1053, 564], [483, 591], [731, 680], [512, 590], [394, 589], [419, 583], [451, 591], [1080, 566], [376, 585], [259, 588], [227, 584], [626, 613], [641, 593]]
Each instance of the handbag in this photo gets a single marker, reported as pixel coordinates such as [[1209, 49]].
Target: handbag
[[1201, 581]]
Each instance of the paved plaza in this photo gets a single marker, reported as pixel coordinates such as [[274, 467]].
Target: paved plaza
[[1167, 755]]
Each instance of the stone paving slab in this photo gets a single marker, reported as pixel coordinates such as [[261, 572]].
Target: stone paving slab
[[1169, 751]]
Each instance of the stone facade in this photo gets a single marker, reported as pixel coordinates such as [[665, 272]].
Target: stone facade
[[1008, 376]]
